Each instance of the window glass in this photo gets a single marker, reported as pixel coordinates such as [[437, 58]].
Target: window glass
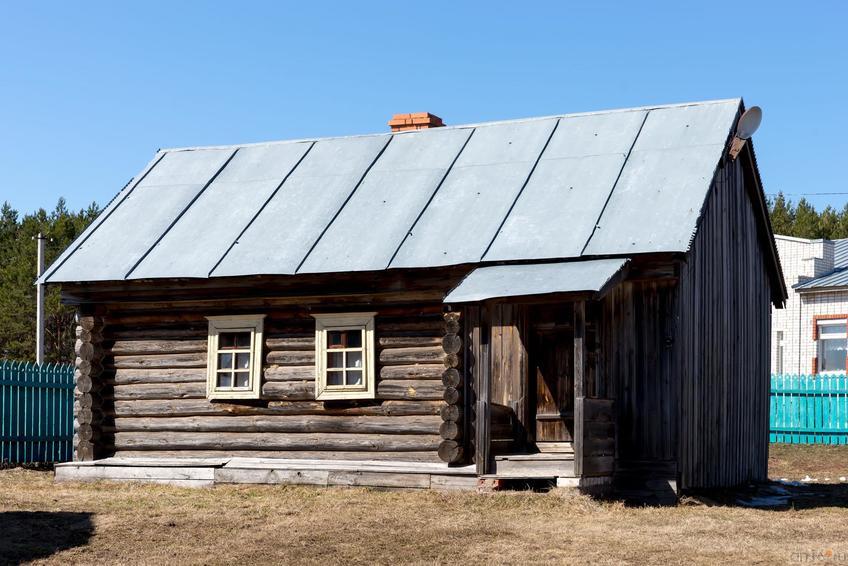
[[832, 355], [831, 329]]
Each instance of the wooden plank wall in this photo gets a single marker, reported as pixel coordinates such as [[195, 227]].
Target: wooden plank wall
[[723, 343], [509, 378], [155, 397], [637, 362]]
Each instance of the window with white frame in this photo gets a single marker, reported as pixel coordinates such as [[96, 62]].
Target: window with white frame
[[779, 360], [344, 356], [832, 346], [234, 365]]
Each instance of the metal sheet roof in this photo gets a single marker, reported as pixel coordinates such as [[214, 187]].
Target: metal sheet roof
[[840, 253], [499, 281], [837, 278], [619, 182]]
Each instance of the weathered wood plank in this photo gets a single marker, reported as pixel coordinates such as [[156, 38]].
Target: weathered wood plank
[[410, 389], [160, 391], [417, 371], [289, 373], [188, 360], [163, 375], [273, 441], [200, 407], [406, 356], [149, 346], [290, 357], [427, 424]]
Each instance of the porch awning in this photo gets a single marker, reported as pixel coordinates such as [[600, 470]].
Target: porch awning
[[499, 281]]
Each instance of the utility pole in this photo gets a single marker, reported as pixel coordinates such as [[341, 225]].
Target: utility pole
[[39, 310]]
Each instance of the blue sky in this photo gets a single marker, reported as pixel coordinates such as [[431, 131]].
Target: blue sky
[[89, 91]]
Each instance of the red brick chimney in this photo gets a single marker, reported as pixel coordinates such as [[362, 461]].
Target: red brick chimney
[[414, 121]]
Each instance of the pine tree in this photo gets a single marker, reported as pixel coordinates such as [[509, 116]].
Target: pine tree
[[17, 275], [806, 223], [829, 223], [782, 215]]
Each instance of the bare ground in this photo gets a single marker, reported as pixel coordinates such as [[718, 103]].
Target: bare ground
[[130, 523]]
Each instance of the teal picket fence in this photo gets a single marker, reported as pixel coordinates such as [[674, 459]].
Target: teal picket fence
[[37, 412], [809, 409]]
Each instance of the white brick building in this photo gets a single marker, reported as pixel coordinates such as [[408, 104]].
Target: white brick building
[[809, 334]]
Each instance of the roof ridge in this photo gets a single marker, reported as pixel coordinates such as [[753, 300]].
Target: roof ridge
[[461, 126]]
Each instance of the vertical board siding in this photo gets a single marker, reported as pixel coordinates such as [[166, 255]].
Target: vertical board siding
[[635, 324], [723, 342], [36, 410], [809, 409]]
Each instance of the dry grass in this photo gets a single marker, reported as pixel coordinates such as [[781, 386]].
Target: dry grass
[[825, 464], [131, 523]]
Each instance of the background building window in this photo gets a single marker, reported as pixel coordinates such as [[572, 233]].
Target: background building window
[[832, 346]]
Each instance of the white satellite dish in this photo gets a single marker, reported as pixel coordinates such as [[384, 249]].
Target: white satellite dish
[[749, 122]]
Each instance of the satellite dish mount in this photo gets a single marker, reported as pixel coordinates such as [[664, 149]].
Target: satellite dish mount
[[748, 124]]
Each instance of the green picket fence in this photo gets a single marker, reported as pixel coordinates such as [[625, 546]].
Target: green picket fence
[[37, 412], [809, 409]]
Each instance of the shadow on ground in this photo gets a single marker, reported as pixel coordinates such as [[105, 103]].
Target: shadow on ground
[[31, 535], [777, 496]]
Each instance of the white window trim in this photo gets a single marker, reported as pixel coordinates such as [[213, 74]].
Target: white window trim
[[345, 321], [245, 323], [822, 337]]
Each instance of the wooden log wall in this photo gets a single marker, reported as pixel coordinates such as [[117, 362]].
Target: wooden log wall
[[155, 387], [88, 385], [723, 342], [451, 449]]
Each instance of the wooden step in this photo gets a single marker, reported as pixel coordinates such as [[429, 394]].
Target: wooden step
[[556, 447], [534, 466]]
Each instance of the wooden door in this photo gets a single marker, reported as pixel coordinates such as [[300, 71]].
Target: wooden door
[[552, 369]]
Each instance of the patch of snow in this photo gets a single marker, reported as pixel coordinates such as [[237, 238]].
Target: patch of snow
[[808, 479], [843, 478]]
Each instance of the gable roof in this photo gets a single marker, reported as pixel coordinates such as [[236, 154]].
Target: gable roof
[[619, 182]]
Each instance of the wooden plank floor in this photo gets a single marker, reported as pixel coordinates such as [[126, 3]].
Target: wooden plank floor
[[204, 472]]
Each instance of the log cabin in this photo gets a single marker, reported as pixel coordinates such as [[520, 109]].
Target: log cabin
[[581, 298]]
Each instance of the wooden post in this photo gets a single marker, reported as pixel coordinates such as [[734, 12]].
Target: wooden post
[[580, 370], [482, 378]]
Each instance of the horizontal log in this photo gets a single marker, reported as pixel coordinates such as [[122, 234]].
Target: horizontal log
[[450, 360], [84, 452], [160, 361], [429, 326], [451, 377], [84, 349], [163, 375], [415, 371], [451, 413], [291, 342], [451, 344], [423, 456], [289, 390], [451, 395], [290, 373], [291, 357], [199, 407], [282, 423], [409, 389], [450, 430], [159, 391], [130, 347], [411, 341], [451, 323], [405, 356], [274, 441], [450, 451], [197, 331]]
